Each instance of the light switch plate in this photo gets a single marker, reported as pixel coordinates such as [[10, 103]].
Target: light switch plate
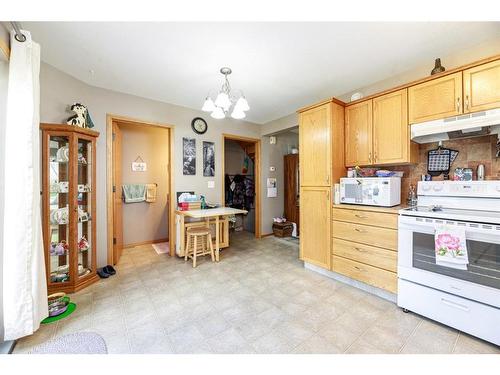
[[211, 184]]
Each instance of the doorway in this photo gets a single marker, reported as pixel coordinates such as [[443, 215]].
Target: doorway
[[139, 153], [241, 172]]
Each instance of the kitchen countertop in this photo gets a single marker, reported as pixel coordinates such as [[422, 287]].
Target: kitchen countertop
[[359, 207]]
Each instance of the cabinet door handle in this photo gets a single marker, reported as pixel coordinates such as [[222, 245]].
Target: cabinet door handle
[[359, 230], [328, 179], [467, 102], [458, 104], [328, 195], [370, 157], [360, 216], [359, 269], [360, 250]]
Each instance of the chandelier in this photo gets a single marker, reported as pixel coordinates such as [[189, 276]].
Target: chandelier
[[226, 101]]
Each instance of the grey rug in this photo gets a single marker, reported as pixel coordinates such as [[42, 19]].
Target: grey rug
[[75, 343]]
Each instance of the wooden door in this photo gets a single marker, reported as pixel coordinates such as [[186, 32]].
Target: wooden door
[[435, 99], [482, 87], [291, 172], [391, 138], [315, 146], [358, 134], [315, 221], [117, 194]]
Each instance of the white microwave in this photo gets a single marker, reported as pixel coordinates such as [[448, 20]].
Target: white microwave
[[372, 191]]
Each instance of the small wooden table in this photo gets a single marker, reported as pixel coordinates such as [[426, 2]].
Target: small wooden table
[[207, 214]]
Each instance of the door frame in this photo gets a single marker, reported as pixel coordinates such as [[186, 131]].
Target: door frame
[[257, 171], [110, 118]]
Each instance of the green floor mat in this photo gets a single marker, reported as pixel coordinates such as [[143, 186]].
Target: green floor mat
[[71, 308]]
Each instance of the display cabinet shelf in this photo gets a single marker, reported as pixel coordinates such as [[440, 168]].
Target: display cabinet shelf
[[69, 206]]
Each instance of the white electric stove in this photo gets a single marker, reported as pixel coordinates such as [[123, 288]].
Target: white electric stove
[[468, 300]]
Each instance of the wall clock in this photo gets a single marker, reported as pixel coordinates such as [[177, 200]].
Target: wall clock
[[199, 125]]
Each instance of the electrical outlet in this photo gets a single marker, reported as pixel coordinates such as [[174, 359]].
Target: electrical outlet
[[210, 184]]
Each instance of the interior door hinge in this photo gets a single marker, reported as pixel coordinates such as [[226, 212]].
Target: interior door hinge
[[114, 189], [114, 241], [113, 136]]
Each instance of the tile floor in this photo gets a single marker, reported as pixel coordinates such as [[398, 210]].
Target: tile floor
[[258, 299]]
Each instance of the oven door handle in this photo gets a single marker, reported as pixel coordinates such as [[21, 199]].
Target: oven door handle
[[454, 305]]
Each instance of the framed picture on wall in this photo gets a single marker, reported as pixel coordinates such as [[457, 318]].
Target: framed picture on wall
[[188, 156], [208, 159]]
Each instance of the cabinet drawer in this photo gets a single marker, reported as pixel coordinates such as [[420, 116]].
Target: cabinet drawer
[[373, 256], [368, 274], [380, 237], [365, 217]]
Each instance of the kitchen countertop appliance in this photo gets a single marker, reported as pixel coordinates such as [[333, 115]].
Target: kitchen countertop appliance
[[373, 191], [466, 299]]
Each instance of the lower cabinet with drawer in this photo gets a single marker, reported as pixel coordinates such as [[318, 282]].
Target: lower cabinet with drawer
[[364, 246]]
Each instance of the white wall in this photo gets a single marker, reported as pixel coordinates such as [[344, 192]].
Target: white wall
[[59, 89]]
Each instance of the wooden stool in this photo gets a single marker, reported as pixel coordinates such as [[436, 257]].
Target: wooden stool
[[192, 250]]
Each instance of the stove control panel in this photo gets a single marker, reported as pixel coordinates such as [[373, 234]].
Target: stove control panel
[[480, 189]]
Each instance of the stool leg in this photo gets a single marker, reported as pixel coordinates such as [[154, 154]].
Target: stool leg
[[212, 253], [195, 250], [186, 247]]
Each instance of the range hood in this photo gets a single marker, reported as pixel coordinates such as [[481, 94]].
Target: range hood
[[463, 126]]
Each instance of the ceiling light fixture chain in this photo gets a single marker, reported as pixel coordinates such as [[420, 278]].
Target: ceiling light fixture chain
[[226, 99]]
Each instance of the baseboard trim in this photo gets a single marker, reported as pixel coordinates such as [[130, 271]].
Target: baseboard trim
[[128, 246], [391, 297], [266, 235]]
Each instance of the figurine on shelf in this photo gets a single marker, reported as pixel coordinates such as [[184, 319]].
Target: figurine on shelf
[[83, 244], [59, 249], [82, 117]]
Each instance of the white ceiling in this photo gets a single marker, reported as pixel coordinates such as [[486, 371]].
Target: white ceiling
[[279, 66]]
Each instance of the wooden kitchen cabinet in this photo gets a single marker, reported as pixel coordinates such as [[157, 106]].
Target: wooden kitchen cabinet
[[365, 245], [391, 132], [435, 99], [358, 134], [315, 236], [377, 132], [315, 146], [482, 87]]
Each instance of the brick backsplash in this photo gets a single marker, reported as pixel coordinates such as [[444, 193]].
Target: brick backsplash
[[472, 152]]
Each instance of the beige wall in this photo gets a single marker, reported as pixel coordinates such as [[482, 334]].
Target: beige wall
[[280, 124], [58, 90], [466, 56], [273, 207], [145, 221]]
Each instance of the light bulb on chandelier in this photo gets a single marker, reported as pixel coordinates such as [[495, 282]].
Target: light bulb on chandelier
[[225, 99]]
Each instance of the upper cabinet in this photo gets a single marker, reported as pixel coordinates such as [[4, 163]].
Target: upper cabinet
[[358, 134], [391, 133], [482, 87], [377, 131], [315, 146], [435, 99]]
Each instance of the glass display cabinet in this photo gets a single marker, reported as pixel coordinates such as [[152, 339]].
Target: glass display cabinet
[[69, 210]]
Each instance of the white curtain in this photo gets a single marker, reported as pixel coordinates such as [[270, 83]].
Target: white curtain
[[24, 283]]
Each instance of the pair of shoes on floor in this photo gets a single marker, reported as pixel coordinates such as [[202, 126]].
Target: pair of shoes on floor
[[106, 272]]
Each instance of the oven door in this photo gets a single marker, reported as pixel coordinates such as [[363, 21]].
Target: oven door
[[417, 261]]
